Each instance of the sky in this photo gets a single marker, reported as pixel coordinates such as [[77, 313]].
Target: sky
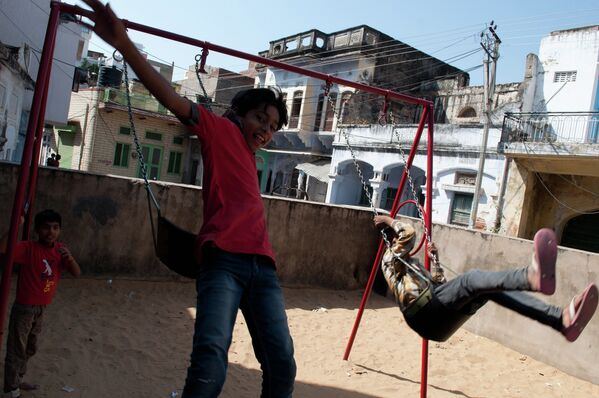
[[444, 29]]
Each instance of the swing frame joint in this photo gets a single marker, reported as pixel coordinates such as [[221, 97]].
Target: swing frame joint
[[327, 86], [201, 59]]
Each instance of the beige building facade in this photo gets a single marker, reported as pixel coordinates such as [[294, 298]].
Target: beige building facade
[[100, 139]]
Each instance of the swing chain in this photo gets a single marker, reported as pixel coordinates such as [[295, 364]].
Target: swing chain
[[354, 158], [142, 164], [408, 264], [358, 169], [410, 181], [200, 62]]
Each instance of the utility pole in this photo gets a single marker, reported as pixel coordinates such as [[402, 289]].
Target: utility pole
[[489, 41]]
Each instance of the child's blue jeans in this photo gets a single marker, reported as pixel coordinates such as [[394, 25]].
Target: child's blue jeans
[[471, 290], [228, 282]]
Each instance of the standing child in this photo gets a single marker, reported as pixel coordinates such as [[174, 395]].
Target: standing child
[[41, 263], [237, 266]]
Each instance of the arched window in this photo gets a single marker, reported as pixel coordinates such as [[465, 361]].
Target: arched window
[[345, 97], [296, 107], [318, 117], [330, 114], [467, 112], [581, 233]]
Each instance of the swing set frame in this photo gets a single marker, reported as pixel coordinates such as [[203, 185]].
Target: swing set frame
[[24, 198]]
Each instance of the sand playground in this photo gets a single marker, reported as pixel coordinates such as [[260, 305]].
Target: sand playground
[[132, 338]]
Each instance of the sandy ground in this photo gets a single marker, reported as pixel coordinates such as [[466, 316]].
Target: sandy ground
[[132, 339]]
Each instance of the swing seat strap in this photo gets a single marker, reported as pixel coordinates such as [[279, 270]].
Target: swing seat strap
[[415, 306]]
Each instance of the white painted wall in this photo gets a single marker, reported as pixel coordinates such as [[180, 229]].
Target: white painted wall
[[575, 50], [456, 150], [24, 23], [571, 50], [12, 91]]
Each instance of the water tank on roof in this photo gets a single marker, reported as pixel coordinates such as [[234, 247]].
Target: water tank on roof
[[110, 76]]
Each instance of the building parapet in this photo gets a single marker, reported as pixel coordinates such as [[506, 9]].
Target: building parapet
[[550, 127], [138, 101]]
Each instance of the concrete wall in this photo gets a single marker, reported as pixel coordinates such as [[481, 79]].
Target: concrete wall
[[106, 225]]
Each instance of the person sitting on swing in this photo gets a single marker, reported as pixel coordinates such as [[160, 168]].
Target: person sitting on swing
[[468, 292]]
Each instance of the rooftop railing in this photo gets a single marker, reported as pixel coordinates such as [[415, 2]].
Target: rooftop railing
[[551, 127], [138, 101]]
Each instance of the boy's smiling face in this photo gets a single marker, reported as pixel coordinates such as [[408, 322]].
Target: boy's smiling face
[[48, 233], [259, 125]]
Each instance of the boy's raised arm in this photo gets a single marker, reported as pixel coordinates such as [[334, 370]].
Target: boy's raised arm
[[110, 28]]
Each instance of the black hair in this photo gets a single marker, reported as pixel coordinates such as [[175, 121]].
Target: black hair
[[245, 101], [45, 216]]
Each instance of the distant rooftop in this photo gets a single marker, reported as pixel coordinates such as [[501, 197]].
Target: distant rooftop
[[588, 28]]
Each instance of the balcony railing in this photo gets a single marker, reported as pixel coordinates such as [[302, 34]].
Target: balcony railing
[[551, 127], [138, 101]]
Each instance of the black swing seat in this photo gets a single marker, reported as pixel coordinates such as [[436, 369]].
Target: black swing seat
[[174, 248], [432, 320]]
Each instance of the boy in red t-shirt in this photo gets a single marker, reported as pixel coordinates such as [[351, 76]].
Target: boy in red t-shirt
[[237, 268], [41, 263]]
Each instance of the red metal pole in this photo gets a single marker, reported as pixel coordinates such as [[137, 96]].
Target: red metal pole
[[429, 227], [39, 132], [255, 58], [381, 249], [42, 79]]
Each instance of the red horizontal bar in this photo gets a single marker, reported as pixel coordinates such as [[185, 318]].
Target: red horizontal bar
[[72, 9]]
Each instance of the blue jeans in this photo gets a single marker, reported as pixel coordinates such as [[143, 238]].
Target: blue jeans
[[471, 290], [228, 282]]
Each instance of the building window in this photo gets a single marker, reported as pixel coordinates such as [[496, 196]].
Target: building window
[[345, 97], [318, 117], [178, 140], [364, 201], [460, 208], [284, 99], [330, 114], [296, 107], [125, 130], [467, 112], [2, 96], [464, 178], [562, 77], [121, 155], [174, 162], [150, 135], [388, 198]]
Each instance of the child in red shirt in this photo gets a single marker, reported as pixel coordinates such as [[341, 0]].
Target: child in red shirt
[[237, 266], [41, 263]]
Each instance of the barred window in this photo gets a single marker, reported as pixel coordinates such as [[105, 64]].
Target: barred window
[[562, 77]]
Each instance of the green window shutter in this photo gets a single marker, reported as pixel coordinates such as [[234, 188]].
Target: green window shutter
[[117, 155], [174, 162], [178, 163], [121, 155], [461, 207], [150, 135]]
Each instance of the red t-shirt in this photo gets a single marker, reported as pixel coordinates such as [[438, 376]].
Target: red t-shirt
[[234, 217], [39, 272]]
